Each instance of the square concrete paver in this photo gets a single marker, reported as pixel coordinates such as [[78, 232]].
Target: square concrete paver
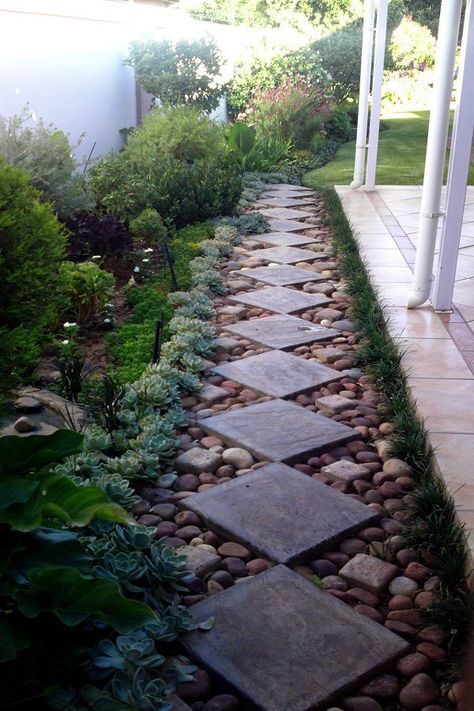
[[281, 300], [282, 239], [285, 645], [279, 431], [260, 508], [278, 374], [285, 213], [286, 201], [282, 275], [282, 331], [287, 226], [284, 255]]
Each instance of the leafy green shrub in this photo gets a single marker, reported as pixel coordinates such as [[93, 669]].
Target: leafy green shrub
[[149, 227], [181, 73], [251, 223], [88, 288], [178, 163], [45, 153], [31, 250], [337, 126]]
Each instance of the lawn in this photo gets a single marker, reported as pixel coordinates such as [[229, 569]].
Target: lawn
[[401, 158]]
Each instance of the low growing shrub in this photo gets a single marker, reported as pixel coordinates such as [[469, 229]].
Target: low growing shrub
[[177, 163]]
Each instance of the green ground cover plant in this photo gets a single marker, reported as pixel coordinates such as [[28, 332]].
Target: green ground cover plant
[[430, 508]]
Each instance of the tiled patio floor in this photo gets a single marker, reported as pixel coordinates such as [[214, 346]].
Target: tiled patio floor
[[439, 347]]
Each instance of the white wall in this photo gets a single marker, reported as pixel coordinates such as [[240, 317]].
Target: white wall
[[71, 73], [65, 59]]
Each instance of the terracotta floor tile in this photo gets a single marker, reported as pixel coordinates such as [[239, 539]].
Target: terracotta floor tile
[[447, 405], [376, 241], [433, 358], [416, 323], [462, 336], [383, 257], [392, 275]]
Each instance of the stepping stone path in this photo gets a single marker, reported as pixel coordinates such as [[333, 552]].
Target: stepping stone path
[[234, 510], [286, 226], [287, 646], [282, 239], [282, 331], [279, 431], [281, 300], [285, 255], [281, 275], [304, 568], [278, 374]]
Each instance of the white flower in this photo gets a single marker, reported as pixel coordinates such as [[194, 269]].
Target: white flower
[[96, 256], [107, 320], [136, 269], [148, 250], [145, 260], [69, 324], [65, 342], [110, 306]]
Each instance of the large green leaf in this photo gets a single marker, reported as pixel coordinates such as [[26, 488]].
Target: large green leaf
[[21, 454], [242, 138], [57, 497], [73, 598], [15, 490], [12, 641], [46, 548]]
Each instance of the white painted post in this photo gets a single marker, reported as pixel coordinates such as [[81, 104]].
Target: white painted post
[[364, 92], [436, 151], [377, 81], [458, 172]]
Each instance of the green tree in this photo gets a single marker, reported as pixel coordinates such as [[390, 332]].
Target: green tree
[[181, 73], [426, 12]]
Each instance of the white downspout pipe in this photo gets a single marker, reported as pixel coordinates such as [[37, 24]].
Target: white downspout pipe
[[364, 92], [379, 63], [458, 172], [449, 21]]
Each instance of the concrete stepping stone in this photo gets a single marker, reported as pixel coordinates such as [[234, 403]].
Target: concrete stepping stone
[[282, 239], [278, 431], [285, 645], [282, 275], [281, 300], [285, 255], [286, 201], [287, 226], [288, 187], [285, 213], [278, 374], [282, 331], [261, 508]]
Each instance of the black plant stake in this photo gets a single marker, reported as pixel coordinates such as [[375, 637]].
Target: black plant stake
[[157, 345], [170, 262]]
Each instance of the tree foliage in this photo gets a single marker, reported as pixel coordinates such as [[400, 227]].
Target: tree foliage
[[181, 73], [271, 13], [426, 12]]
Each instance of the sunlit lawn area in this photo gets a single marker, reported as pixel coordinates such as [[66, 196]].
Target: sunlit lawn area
[[401, 156]]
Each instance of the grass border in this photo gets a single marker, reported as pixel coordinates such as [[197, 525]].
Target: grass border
[[434, 528]]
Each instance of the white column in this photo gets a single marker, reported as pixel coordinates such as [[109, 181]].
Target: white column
[[436, 151], [459, 163], [364, 92], [379, 62]]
